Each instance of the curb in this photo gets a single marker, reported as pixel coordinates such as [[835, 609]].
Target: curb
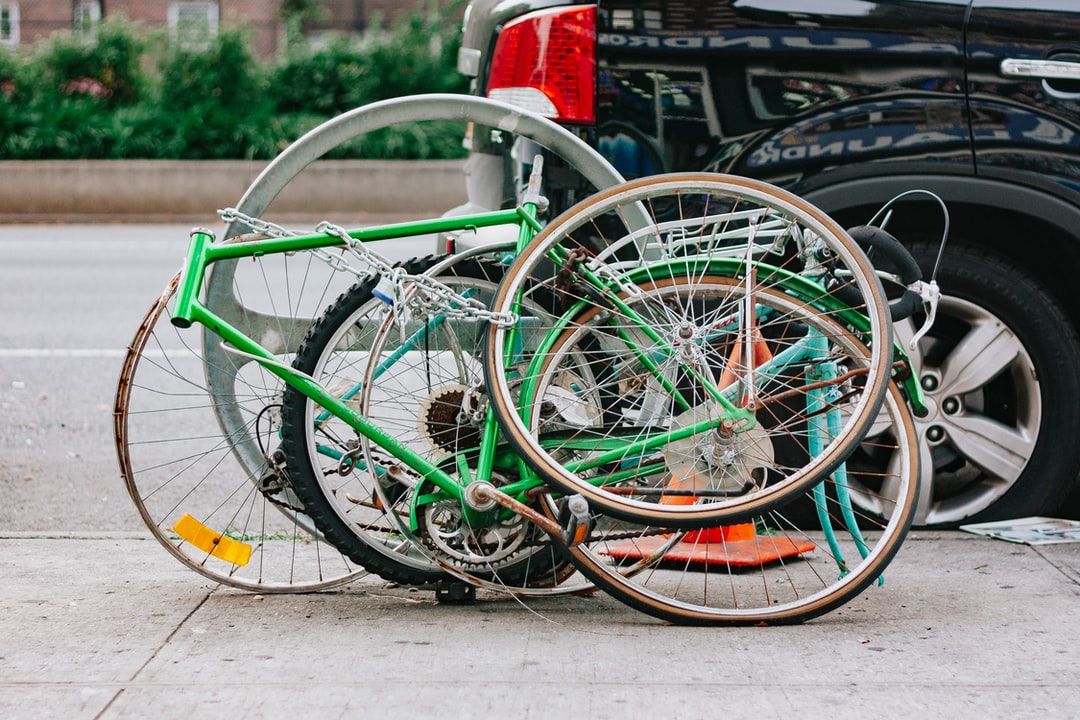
[[178, 190]]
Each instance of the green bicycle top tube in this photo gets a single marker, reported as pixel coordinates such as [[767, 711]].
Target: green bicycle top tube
[[202, 251], [393, 231]]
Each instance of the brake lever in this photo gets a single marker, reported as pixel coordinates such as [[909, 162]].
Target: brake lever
[[928, 292], [930, 295], [532, 190]]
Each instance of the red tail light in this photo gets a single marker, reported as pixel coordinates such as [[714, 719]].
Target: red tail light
[[545, 61]]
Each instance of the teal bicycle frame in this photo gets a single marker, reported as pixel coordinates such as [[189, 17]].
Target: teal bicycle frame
[[203, 252]]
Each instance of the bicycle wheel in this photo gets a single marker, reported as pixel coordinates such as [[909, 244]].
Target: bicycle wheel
[[680, 342], [239, 528], [768, 570], [421, 381]]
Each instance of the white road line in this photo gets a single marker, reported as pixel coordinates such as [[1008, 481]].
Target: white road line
[[45, 353]]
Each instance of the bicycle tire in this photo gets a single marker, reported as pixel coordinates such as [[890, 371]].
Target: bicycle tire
[[519, 434], [348, 537]]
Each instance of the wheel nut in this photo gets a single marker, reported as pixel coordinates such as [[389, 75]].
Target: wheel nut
[[935, 433], [929, 382], [950, 406]]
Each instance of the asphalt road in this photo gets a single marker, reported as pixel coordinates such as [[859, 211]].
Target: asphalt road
[[71, 298]]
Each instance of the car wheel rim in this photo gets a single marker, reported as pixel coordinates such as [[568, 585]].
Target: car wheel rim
[[985, 413]]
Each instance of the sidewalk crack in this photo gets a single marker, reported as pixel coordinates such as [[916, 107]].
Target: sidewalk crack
[[1068, 572], [153, 655]]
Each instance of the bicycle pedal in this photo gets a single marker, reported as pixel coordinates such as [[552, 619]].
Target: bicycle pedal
[[454, 592], [576, 520]]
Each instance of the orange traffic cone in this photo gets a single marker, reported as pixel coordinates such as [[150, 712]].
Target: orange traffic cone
[[733, 546], [762, 354]]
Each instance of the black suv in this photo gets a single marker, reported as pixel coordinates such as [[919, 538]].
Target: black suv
[[849, 102]]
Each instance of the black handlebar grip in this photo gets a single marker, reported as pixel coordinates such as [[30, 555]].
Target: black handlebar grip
[[874, 240]]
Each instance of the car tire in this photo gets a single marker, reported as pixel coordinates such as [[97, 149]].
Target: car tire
[[993, 294]]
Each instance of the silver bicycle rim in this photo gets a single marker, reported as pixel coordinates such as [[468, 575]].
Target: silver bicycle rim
[[868, 284]]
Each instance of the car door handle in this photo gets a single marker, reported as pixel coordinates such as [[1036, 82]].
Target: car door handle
[[1044, 69]]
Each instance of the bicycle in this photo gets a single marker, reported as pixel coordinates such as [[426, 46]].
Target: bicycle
[[325, 486], [477, 503], [196, 426]]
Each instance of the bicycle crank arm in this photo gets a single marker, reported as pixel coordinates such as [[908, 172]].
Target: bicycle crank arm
[[483, 496]]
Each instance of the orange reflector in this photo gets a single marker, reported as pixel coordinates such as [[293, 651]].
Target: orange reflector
[[212, 542]]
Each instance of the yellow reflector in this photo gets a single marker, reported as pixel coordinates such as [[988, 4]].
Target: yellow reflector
[[215, 543]]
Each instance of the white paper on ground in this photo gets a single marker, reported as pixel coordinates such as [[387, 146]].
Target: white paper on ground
[[1029, 530]]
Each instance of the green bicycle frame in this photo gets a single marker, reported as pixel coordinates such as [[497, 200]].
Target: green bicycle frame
[[202, 252], [188, 310]]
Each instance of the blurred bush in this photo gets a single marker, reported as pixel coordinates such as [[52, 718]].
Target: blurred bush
[[121, 92], [104, 64], [326, 81], [213, 102]]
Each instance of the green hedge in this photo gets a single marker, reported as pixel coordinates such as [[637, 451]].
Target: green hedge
[[125, 92]]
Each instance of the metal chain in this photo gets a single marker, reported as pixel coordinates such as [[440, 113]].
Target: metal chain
[[273, 230], [429, 296]]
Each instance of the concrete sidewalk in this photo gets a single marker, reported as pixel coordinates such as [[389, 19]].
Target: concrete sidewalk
[[108, 625]]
